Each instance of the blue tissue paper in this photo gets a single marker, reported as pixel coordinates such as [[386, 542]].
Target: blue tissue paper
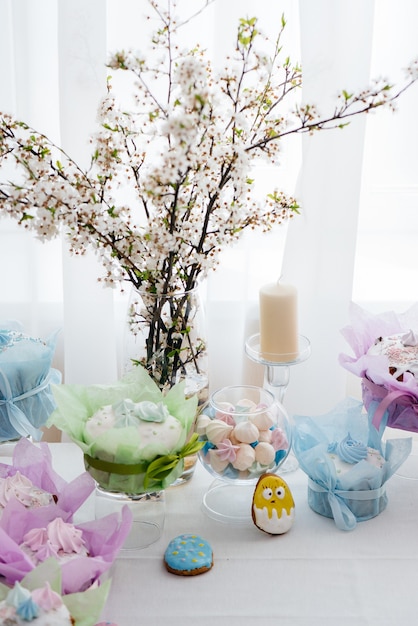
[[347, 491], [26, 374]]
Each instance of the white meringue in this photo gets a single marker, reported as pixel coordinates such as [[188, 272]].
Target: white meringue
[[410, 339], [245, 457], [264, 453], [265, 435], [217, 464], [225, 411], [245, 406], [217, 431], [246, 432], [263, 420], [202, 421]]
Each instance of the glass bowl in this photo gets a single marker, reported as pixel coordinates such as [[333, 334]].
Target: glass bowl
[[246, 431]]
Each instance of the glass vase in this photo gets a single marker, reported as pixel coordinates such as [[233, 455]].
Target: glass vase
[[166, 335], [148, 515]]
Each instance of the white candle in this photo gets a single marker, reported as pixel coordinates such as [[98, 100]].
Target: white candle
[[278, 322]]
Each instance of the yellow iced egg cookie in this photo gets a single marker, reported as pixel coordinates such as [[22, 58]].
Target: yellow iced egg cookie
[[273, 507]]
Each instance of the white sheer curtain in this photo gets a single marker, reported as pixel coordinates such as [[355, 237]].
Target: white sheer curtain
[[53, 63], [52, 56], [320, 249]]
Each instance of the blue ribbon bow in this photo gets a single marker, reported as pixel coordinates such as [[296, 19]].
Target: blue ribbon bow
[[17, 418]]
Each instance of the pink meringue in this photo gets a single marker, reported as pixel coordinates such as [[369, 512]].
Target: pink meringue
[[224, 412], [59, 534], [46, 551], [47, 598], [279, 440], [227, 418], [65, 536], [227, 451], [36, 538]]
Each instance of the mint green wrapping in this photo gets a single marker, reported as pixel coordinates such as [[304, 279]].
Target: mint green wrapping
[[76, 403]]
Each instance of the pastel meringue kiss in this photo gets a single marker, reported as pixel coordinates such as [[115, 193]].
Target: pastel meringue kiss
[[217, 431]]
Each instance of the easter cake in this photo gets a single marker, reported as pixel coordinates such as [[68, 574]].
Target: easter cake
[[159, 432], [401, 349], [58, 539], [348, 452], [12, 344], [39, 607], [21, 488], [26, 374]]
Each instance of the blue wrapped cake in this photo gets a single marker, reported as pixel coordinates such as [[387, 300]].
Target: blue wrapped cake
[[347, 463], [26, 374]]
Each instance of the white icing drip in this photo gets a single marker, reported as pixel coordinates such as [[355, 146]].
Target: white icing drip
[[275, 525]]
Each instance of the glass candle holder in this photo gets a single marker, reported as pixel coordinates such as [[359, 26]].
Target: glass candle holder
[[246, 433]]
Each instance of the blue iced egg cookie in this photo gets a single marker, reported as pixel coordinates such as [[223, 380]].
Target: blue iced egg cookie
[[188, 555]]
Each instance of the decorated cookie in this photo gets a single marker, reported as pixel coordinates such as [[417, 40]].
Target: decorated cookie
[[273, 507], [188, 555]]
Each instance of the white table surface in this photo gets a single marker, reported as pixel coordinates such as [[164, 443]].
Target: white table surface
[[313, 575]]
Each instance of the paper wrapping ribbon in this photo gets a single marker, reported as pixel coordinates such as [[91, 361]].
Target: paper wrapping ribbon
[[158, 469], [17, 417], [344, 518], [115, 468], [387, 398]]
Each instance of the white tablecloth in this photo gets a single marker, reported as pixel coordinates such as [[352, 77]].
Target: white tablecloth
[[314, 575]]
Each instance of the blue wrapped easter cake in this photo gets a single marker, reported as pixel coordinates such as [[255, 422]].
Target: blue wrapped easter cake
[[26, 374], [347, 463]]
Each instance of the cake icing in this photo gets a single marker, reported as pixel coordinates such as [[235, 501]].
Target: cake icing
[[348, 452], [40, 607], [10, 339], [401, 349], [19, 487], [159, 431], [59, 539]]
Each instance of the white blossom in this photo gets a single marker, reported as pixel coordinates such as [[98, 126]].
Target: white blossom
[[170, 180]]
